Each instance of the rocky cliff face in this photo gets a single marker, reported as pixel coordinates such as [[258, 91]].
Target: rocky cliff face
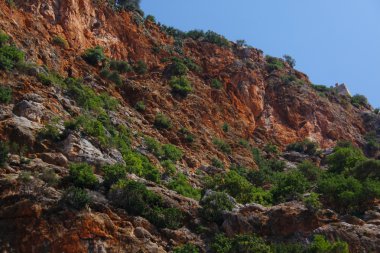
[[258, 105]]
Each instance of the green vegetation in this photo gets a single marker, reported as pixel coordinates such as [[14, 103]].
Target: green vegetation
[[113, 173], [120, 66], [163, 152], [51, 131], [162, 121], [291, 79], [359, 100], [140, 106], [10, 55], [222, 146], [312, 202], [76, 198], [367, 169], [180, 85], [344, 158], [306, 146], [310, 171], [113, 76], [176, 68], [94, 56], [5, 95], [4, 150], [50, 78], [209, 36], [225, 127], [186, 135], [61, 42], [216, 84], [169, 167], [271, 149], [181, 185], [217, 163], [213, 206], [238, 187], [187, 248], [140, 67], [82, 176], [289, 60], [49, 177], [140, 165], [150, 18], [289, 186], [274, 63], [136, 199]]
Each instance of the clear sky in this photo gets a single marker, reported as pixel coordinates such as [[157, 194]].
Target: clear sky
[[331, 40]]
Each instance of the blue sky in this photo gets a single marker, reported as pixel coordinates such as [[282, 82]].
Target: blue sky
[[331, 40]]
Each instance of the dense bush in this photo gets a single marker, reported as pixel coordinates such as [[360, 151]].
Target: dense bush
[[187, 248], [306, 146], [50, 78], [222, 146], [289, 186], [312, 202], [181, 185], [113, 173], [61, 42], [176, 68], [216, 84], [273, 63], [136, 199], [344, 158], [216, 39], [162, 121], [87, 98], [225, 127], [271, 149], [120, 66], [321, 245], [169, 167], [113, 76], [171, 152], [140, 67], [347, 194], [217, 163], [5, 95], [290, 60], [140, 106], [367, 169], [213, 206], [310, 171], [4, 150], [240, 243], [359, 100], [4, 38], [239, 187], [10, 56], [141, 166], [180, 85], [51, 131], [76, 198], [82, 175], [94, 56]]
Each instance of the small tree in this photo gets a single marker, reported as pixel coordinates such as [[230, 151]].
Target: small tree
[[290, 60], [82, 175], [213, 206], [76, 198], [94, 56]]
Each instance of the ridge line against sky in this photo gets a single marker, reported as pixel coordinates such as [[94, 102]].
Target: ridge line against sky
[[333, 41]]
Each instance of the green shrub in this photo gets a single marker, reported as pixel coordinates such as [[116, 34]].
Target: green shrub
[[113, 173], [195, 34], [290, 60], [61, 42], [162, 121], [291, 79], [239, 187], [4, 38], [5, 95], [120, 66], [180, 85], [213, 206], [76, 198], [271, 149], [310, 171], [51, 132], [136, 199], [4, 150], [344, 158], [289, 186], [115, 78], [276, 165], [359, 100], [140, 68], [141, 166], [225, 127], [312, 202], [376, 110], [216, 84], [82, 175], [367, 169], [171, 152], [10, 56], [321, 245], [273, 63], [187, 248], [154, 146], [217, 39], [150, 18], [250, 243], [94, 56], [347, 194], [187, 135], [140, 106], [306, 146], [222, 146], [176, 68], [181, 185], [169, 167], [49, 177], [50, 78], [217, 163], [221, 244]]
